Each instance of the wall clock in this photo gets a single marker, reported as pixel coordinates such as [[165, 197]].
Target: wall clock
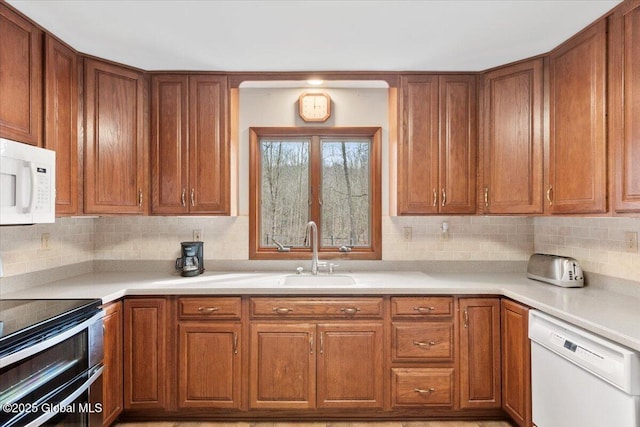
[[314, 107]]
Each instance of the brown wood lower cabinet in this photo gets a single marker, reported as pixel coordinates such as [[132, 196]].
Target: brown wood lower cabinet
[[145, 353], [308, 365], [516, 362], [422, 387], [209, 365], [480, 385], [112, 376], [306, 358], [283, 366]]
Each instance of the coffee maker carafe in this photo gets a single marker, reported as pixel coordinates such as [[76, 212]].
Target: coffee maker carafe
[[191, 263]]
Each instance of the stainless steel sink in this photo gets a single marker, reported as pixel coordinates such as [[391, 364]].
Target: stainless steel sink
[[309, 281]]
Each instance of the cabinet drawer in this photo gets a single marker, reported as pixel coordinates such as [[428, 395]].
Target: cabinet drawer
[[316, 307], [422, 307], [422, 386], [423, 341], [208, 307]]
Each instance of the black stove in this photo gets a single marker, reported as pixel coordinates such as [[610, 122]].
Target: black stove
[[23, 322]]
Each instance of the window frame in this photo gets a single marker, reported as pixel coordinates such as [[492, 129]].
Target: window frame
[[256, 252]]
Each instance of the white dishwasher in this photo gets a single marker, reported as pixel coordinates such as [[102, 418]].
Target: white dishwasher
[[579, 379]]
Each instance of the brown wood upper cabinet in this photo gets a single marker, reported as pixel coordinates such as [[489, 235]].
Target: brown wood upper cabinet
[[20, 78], [624, 106], [190, 148], [116, 157], [512, 139], [61, 121], [437, 148], [577, 153]]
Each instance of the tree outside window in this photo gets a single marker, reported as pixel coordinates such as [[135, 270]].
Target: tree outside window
[[327, 175]]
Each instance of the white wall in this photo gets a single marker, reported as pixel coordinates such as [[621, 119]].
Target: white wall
[[276, 107]]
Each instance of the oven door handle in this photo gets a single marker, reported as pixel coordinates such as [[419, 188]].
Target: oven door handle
[[43, 345], [96, 372]]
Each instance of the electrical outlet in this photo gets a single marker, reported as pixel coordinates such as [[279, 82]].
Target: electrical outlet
[[44, 241], [407, 234], [197, 235], [631, 241]]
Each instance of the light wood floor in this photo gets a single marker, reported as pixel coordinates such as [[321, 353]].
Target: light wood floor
[[323, 424]]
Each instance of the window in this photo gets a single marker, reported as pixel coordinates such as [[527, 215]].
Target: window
[[327, 175]]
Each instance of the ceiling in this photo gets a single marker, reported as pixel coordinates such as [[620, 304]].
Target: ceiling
[[314, 35]]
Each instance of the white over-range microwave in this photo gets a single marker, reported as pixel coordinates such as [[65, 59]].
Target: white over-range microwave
[[27, 184]]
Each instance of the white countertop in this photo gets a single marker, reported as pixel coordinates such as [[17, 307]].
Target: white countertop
[[614, 316]]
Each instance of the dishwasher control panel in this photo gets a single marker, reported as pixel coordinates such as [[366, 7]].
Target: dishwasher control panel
[[580, 352]]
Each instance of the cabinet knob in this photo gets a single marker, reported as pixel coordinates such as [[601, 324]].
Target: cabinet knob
[[549, 194], [183, 197], [486, 197], [349, 310], [193, 197], [435, 197], [140, 197], [444, 197], [207, 310], [282, 310]]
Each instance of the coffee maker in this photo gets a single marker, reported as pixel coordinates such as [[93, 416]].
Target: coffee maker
[[191, 263]]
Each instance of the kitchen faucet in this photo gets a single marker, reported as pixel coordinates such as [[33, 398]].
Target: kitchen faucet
[[312, 229]]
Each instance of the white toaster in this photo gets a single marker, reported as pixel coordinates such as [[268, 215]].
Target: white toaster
[[555, 269]]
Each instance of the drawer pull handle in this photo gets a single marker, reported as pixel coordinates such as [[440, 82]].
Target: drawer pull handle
[[350, 310], [423, 391], [208, 309], [424, 344], [424, 309], [282, 310]]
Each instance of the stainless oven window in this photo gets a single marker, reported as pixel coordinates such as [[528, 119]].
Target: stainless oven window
[[30, 379], [53, 386]]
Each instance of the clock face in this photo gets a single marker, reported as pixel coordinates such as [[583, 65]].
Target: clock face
[[315, 107]]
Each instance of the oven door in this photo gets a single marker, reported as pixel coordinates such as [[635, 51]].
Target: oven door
[[40, 384]]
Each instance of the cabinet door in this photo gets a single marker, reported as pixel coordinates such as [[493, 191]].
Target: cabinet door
[[480, 353], [169, 144], [350, 368], [516, 362], [209, 365], [458, 144], [624, 105], [577, 154], [116, 150], [112, 384], [20, 78], [145, 368], [61, 121], [283, 366], [418, 146], [513, 139], [208, 145]]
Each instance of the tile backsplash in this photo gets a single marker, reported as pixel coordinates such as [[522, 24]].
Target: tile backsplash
[[596, 242]]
